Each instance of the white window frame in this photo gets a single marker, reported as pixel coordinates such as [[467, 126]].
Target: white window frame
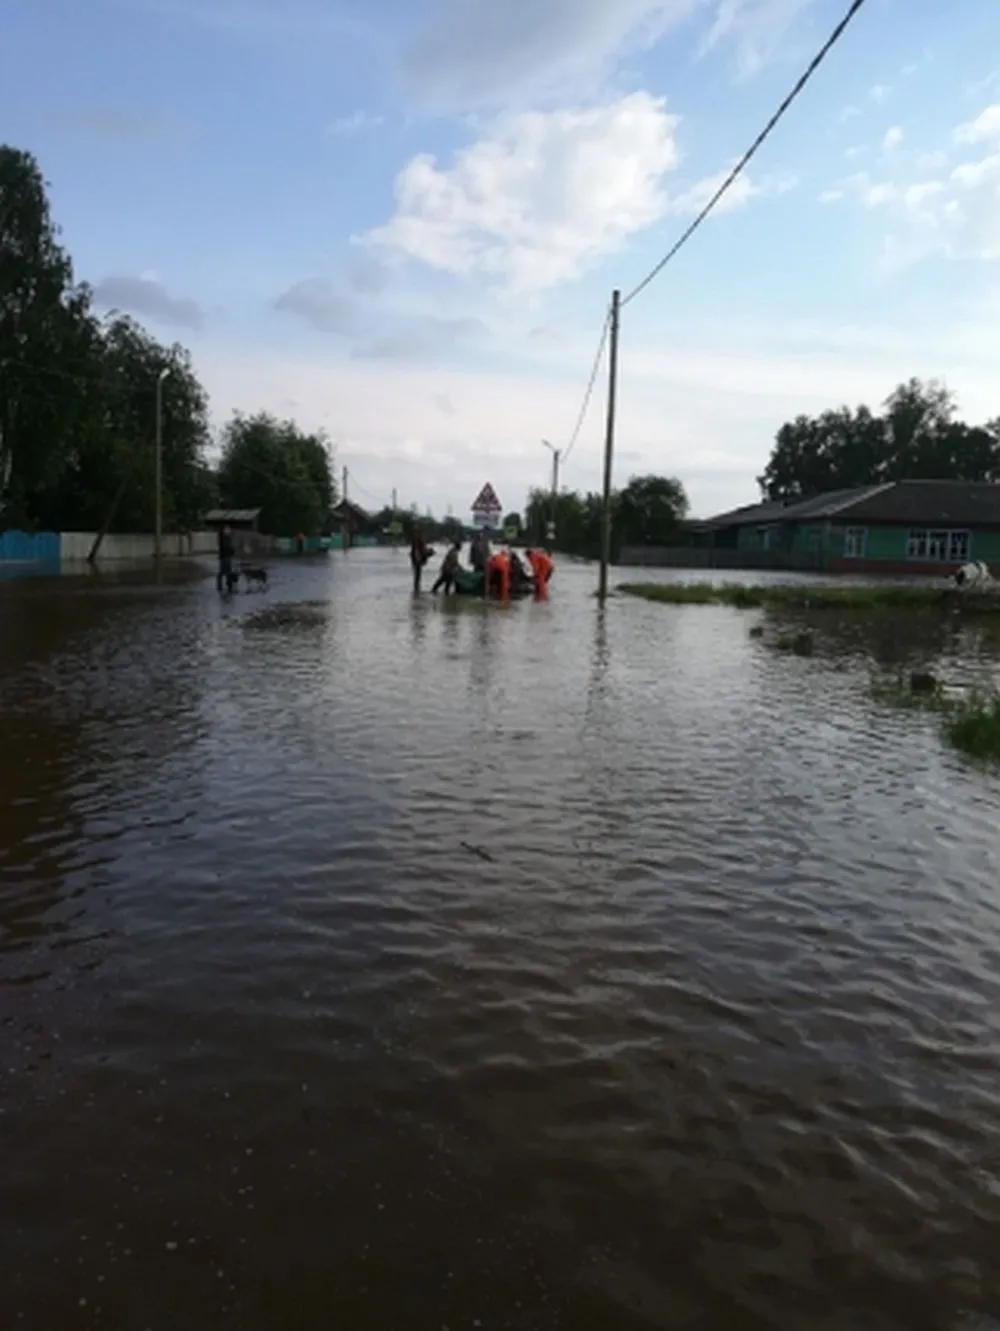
[[939, 545], [959, 547], [855, 542]]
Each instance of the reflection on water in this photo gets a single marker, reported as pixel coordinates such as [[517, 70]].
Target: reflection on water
[[375, 962]]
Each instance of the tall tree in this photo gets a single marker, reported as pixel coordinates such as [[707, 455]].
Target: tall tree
[[271, 465], [917, 436], [651, 510], [47, 339]]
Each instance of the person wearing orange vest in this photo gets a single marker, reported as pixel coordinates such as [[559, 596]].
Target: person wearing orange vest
[[542, 567], [498, 575]]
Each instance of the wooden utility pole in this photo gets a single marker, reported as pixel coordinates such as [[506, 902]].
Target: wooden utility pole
[[609, 446], [344, 532]]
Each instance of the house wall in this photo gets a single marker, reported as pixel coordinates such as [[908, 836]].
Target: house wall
[[885, 551], [75, 546], [32, 549]]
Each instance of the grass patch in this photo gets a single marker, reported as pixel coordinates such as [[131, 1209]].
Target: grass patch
[[973, 727], [805, 597], [970, 722]]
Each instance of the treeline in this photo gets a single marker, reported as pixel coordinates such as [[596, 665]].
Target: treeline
[[650, 510], [916, 436], [78, 405]]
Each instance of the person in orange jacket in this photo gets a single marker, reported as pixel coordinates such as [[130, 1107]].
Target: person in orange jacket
[[542, 567], [498, 575]]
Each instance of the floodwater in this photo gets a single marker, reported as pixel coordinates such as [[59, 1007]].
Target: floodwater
[[390, 965]]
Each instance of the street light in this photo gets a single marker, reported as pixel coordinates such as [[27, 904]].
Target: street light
[[556, 454], [158, 532]]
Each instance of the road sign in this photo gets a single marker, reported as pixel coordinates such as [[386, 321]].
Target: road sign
[[487, 502]]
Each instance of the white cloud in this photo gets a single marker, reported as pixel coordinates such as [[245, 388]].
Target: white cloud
[[985, 128], [937, 205], [754, 27], [540, 196], [879, 93], [481, 53], [893, 138], [543, 195]]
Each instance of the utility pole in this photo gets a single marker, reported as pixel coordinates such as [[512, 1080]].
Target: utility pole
[[609, 446], [158, 526], [556, 455], [394, 519], [344, 533]]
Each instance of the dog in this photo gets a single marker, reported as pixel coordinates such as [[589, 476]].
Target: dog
[[255, 576], [975, 574]]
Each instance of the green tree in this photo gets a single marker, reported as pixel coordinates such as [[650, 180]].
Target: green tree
[[650, 511], [917, 436], [271, 465], [111, 453], [47, 340]]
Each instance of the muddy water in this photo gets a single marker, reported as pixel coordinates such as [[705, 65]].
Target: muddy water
[[368, 963]]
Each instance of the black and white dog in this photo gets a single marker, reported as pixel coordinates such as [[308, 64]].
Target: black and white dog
[[975, 574]]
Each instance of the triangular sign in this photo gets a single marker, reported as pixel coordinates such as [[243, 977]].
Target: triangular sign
[[486, 501]]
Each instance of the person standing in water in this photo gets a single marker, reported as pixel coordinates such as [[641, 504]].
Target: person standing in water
[[446, 578], [419, 555]]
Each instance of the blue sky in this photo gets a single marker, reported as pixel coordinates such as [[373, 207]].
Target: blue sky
[[402, 221]]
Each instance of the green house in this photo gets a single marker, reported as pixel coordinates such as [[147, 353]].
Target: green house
[[925, 527]]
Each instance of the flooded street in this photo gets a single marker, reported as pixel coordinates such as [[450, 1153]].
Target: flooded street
[[392, 965]]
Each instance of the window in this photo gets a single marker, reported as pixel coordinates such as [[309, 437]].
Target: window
[[854, 542], [916, 545], [940, 547], [937, 545]]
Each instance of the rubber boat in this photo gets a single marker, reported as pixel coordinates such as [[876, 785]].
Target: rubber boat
[[470, 583]]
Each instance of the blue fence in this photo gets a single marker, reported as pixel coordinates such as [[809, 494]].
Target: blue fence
[[21, 547]]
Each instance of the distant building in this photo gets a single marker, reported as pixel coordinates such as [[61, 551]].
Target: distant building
[[926, 527], [239, 519]]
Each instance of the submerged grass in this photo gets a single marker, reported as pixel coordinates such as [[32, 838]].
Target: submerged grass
[[970, 722], [810, 597]]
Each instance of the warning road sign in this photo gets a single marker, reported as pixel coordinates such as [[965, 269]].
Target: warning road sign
[[486, 501]]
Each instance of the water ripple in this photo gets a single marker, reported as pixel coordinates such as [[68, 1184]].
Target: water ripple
[[368, 962]]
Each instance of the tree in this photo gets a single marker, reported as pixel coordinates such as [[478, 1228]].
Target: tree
[[650, 511], [271, 465], [918, 436], [47, 339], [77, 396]]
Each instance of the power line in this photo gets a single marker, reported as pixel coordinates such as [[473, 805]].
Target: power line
[[589, 392], [355, 484], [803, 79]]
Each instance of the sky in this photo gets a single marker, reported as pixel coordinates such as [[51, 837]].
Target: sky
[[401, 221]]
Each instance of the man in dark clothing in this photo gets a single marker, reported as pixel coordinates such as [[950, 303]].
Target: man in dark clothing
[[419, 555], [226, 553], [446, 578]]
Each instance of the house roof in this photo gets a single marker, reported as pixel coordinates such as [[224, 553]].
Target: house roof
[[930, 503], [232, 514], [345, 506], [968, 503]]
